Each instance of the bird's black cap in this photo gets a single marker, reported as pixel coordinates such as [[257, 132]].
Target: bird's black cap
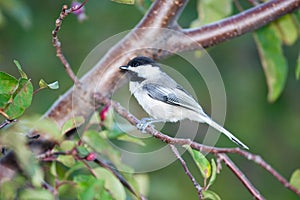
[[140, 60]]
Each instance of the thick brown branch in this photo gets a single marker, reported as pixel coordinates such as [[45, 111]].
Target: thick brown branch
[[163, 13], [244, 22]]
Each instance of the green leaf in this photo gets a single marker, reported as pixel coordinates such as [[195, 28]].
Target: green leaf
[[112, 184], [67, 160], [68, 145], [91, 188], [298, 68], [4, 100], [8, 83], [273, 60], [124, 1], [82, 151], [72, 123], [43, 84], [200, 160], [207, 194], [9, 189], [94, 140], [22, 98], [36, 194], [210, 11], [22, 73], [213, 173], [119, 135], [44, 126], [295, 179], [25, 158], [53, 169], [287, 29]]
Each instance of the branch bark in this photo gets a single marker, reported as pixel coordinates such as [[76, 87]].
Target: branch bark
[[106, 78]]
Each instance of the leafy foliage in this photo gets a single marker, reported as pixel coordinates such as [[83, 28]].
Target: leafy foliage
[[269, 41], [208, 171]]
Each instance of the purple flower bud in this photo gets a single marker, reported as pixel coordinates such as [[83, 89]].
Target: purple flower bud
[[80, 12]]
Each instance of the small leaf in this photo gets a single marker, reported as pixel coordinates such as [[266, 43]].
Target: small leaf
[[295, 179], [53, 169], [44, 126], [72, 123], [8, 83], [23, 74], [91, 188], [82, 151], [287, 29], [21, 99], [273, 60], [210, 11], [67, 145], [25, 158], [131, 139], [112, 184], [119, 135], [207, 194], [36, 194], [124, 1], [201, 162], [67, 160], [94, 140], [43, 84], [213, 173], [298, 68]]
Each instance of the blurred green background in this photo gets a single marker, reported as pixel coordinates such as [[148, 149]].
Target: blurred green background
[[271, 130]]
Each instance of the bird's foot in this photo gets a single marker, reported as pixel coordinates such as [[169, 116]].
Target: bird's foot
[[143, 123]]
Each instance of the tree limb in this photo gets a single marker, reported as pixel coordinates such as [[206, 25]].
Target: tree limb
[[203, 148], [244, 22]]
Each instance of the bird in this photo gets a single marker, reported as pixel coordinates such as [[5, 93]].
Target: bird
[[163, 98]]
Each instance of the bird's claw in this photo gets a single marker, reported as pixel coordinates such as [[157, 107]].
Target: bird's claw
[[143, 123]]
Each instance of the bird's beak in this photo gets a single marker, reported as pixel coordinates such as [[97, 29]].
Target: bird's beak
[[124, 68]]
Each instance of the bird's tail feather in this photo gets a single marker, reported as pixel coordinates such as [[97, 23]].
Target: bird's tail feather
[[210, 122]]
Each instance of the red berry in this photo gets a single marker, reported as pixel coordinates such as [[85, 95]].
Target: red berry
[[91, 157], [104, 112]]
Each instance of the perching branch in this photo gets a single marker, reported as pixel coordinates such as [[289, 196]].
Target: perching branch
[[203, 148], [162, 14], [106, 78]]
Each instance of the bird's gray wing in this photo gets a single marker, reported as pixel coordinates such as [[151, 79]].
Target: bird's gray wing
[[174, 96]]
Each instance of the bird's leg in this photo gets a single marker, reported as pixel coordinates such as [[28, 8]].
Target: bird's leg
[[144, 122]]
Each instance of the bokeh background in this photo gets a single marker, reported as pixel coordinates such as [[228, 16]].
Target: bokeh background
[[271, 130]]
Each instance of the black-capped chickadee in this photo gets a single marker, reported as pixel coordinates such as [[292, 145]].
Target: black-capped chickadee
[[164, 99]]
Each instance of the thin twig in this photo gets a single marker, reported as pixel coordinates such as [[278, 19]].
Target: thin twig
[[56, 43], [187, 171], [203, 148], [240, 176], [7, 122]]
